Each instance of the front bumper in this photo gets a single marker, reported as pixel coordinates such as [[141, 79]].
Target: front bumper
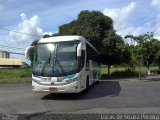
[[68, 88]]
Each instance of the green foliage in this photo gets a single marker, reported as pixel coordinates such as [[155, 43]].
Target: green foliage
[[46, 36], [53, 35], [15, 80], [156, 71], [147, 49], [31, 51], [147, 52], [15, 73], [92, 25], [115, 51], [121, 72], [149, 36], [112, 47], [157, 54], [126, 73], [117, 73], [98, 29], [127, 57], [10, 76]]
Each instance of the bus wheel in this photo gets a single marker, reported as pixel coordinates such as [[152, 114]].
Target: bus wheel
[[97, 82], [87, 86]]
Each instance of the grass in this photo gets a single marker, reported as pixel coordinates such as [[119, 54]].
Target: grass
[[15, 73], [121, 72], [15, 76], [15, 80]]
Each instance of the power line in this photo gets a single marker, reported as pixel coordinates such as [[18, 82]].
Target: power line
[[12, 52], [16, 53], [11, 47], [7, 47], [19, 32]]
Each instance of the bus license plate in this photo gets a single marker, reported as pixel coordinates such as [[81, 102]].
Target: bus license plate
[[52, 90]]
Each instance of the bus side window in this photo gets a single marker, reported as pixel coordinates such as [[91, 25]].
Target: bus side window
[[83, 58], [87, 60]]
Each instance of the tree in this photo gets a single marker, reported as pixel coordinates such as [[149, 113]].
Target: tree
[[46, 36], [147, 52], [90, 24], [31, 51], [146, 49], [98, 29], [128, 56], [53, 35], [157, 54], [113, 52], [149, 36]]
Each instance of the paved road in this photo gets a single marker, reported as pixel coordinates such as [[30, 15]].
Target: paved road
[[105, 97]]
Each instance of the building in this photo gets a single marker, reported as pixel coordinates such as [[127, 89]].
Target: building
[[6, 61]]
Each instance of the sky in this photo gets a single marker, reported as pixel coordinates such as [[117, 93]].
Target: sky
[[39, 17]]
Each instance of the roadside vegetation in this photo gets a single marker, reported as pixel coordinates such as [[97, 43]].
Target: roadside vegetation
[[15, 76], [122, 72]]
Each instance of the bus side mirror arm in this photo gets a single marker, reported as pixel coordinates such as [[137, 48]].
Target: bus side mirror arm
[[27, 51]]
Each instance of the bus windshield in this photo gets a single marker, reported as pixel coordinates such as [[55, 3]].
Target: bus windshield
[[55, 59]]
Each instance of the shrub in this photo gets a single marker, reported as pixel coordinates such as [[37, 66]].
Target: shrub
[[122, 74]]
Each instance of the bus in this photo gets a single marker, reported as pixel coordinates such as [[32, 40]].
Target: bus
[[64, 64]]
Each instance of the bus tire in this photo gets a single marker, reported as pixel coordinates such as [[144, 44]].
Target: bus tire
[[97, 82]]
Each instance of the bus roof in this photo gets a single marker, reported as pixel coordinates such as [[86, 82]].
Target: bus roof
[[66, 38], [61, 39]]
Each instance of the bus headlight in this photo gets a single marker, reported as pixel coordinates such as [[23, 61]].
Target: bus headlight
[[72, 80], [35, 80]]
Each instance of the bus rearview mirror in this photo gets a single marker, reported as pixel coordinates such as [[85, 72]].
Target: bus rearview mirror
[[79, 49], [27, 51]]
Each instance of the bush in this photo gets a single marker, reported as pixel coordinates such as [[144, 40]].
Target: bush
[[125, 73], [122, 74], [156, 71]]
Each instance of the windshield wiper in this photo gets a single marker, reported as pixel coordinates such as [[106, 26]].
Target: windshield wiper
[[60, 66], [46, 63], [43, 69]]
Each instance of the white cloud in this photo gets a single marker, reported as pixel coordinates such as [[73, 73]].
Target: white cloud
[[48, 33], [1, 8], [23, 16], [155, 2], [120, 15], [29, 26], [157, 30], [121, 18]]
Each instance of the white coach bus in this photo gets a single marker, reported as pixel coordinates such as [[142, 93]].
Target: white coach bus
[[64, 64]]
